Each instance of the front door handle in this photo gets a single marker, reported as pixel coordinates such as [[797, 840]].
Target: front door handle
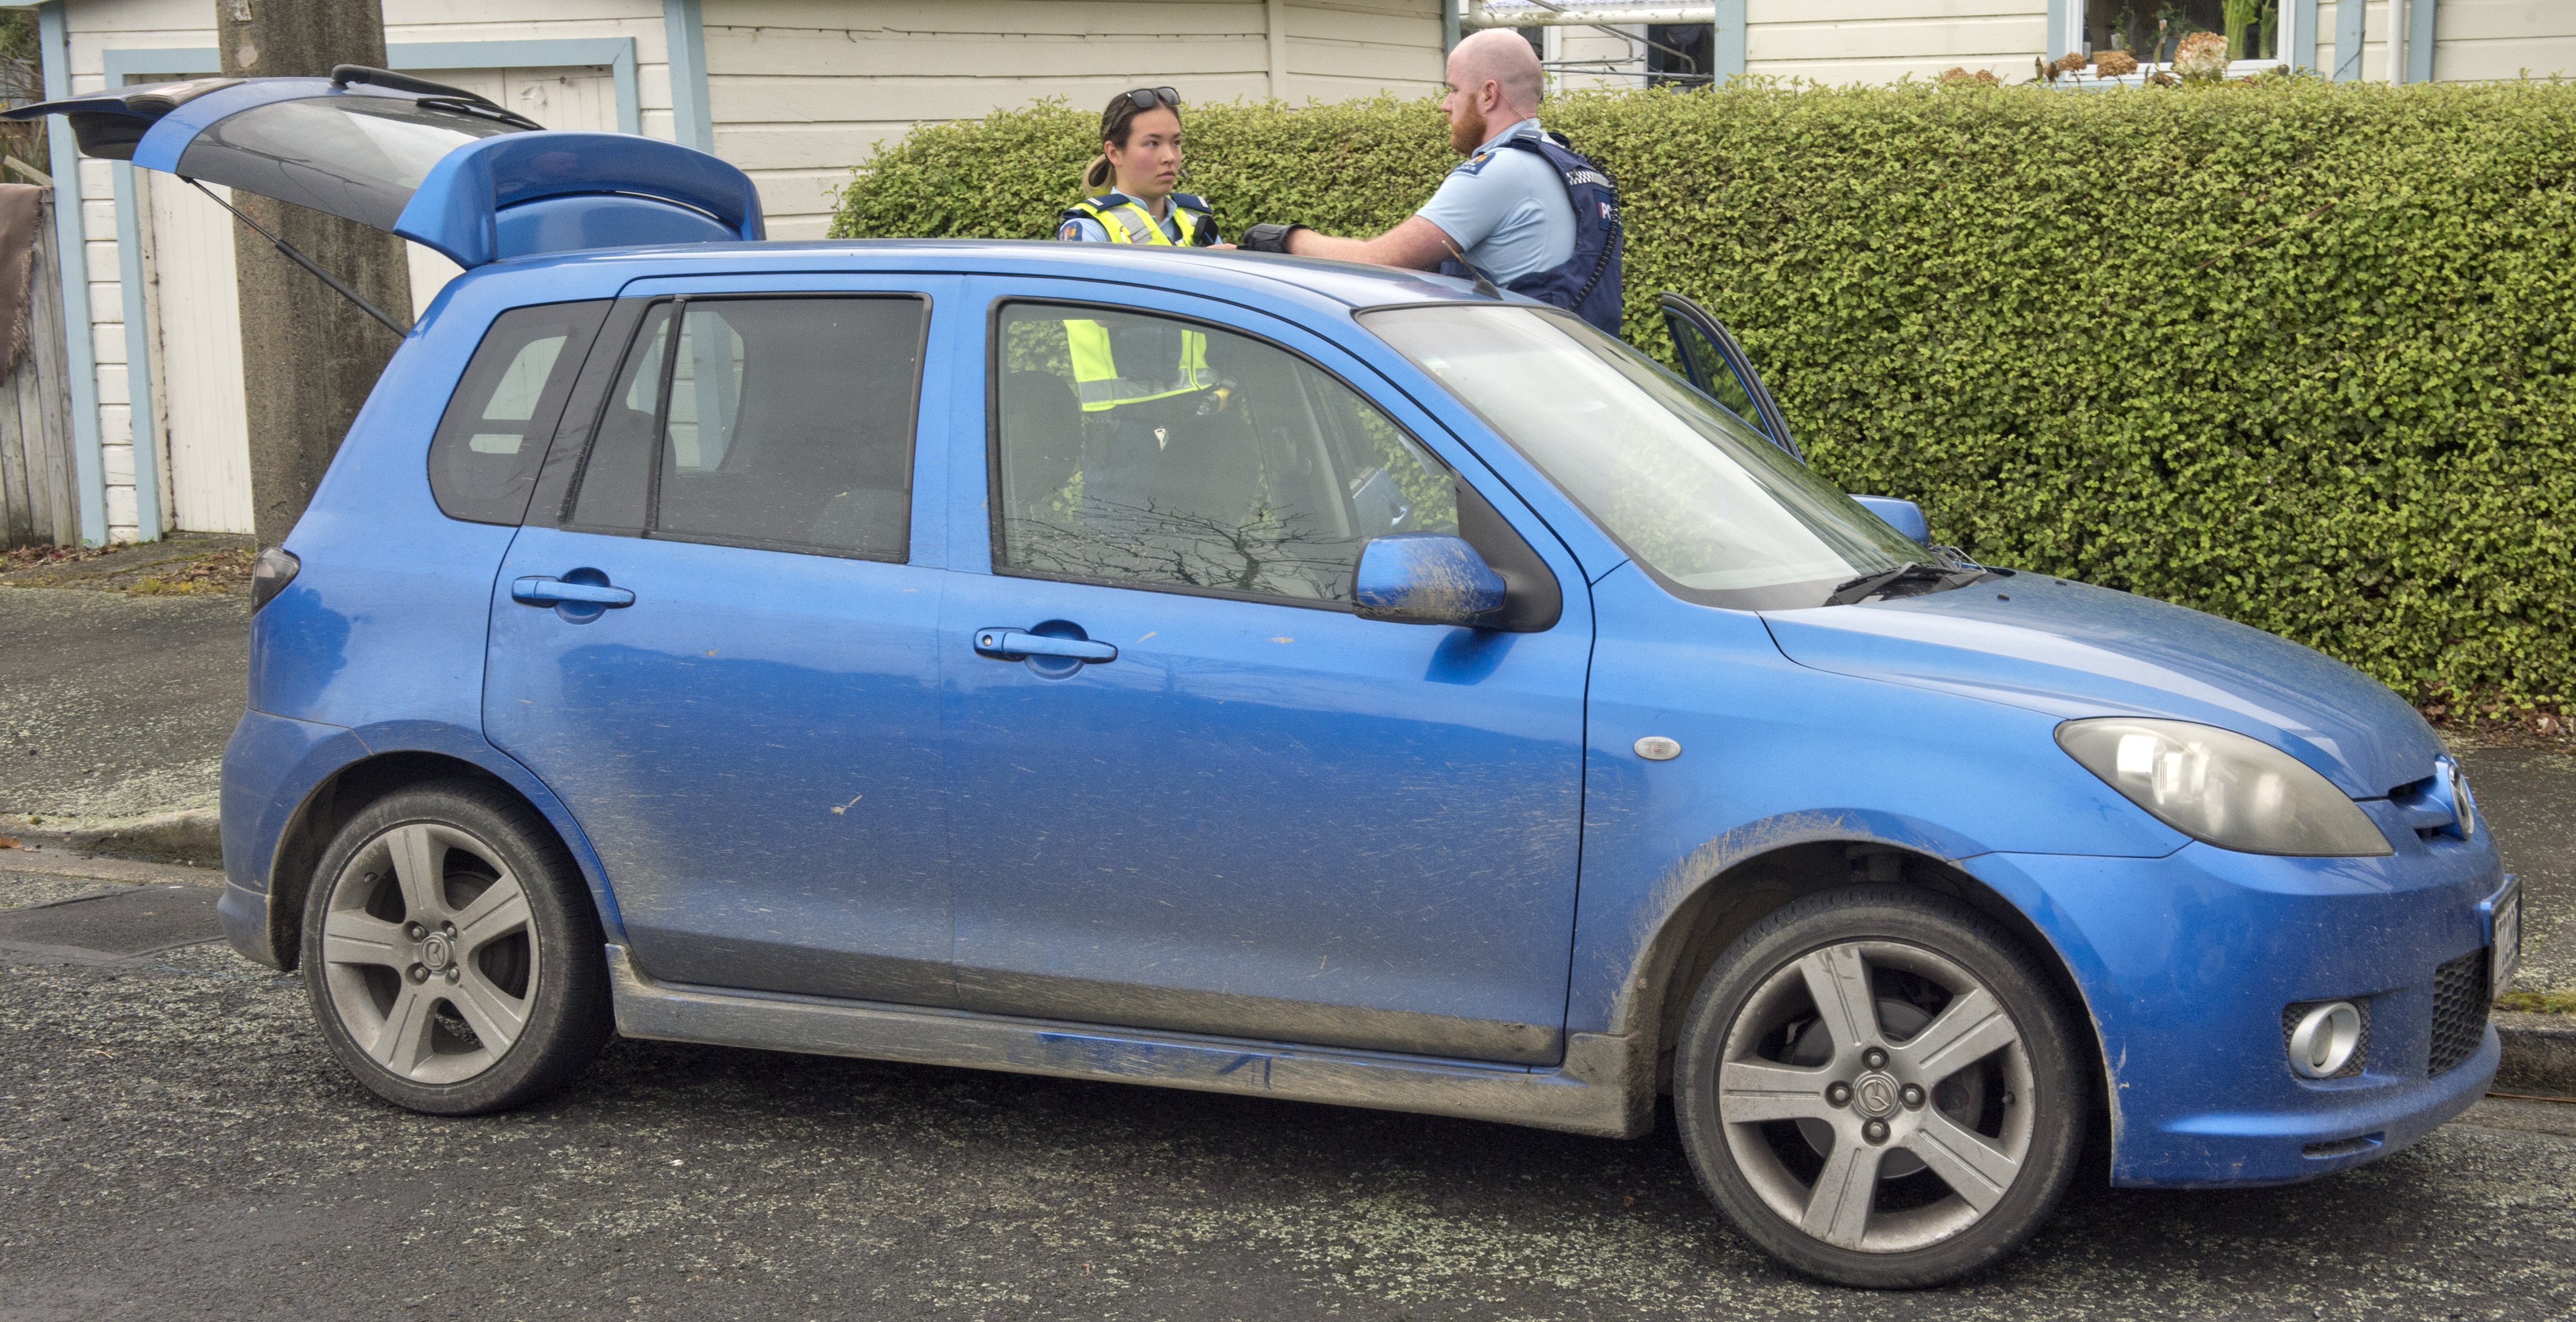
[[537, 590], [1014, 644]]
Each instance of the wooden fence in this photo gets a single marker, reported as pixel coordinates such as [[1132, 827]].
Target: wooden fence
[[38, 500]]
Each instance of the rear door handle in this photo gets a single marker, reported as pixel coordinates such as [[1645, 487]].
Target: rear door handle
[[1013, 644], [537, 590]]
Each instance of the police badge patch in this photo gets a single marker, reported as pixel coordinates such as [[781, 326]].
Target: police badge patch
[[1072, 230]]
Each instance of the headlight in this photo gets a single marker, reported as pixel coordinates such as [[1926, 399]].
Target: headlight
[[2222, 788]]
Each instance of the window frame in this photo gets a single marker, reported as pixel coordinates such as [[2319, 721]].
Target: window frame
[[993, 504], [2287, 39], [636, 338]]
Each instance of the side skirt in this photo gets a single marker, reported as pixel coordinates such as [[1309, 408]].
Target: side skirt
[[1596, 1091]]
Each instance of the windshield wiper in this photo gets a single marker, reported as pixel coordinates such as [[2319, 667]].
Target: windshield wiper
[[1934, 577]]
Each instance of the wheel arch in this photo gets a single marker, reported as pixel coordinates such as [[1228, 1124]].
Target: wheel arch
[[346, 791], [1698, 930]]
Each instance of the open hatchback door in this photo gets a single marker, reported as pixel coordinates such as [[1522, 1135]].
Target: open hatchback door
[[437, 165]]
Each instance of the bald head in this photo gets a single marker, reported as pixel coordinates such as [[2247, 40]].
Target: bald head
[[1502, 57]]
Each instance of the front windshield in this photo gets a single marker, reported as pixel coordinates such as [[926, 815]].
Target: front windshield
[[1716, 511]]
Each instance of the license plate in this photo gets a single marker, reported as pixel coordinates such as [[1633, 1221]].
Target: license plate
[[2507, 927]]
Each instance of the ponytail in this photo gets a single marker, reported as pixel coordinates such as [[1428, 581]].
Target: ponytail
[[1096, 176]]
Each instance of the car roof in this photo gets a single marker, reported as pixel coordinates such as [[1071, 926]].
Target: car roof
[[1259, 275]]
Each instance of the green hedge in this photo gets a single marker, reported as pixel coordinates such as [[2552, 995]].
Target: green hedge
[[2300, 354]]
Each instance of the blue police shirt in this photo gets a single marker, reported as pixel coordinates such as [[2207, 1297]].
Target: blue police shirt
[[1506, 209]]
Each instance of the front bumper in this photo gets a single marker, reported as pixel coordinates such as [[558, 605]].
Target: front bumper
[[2187, 962]]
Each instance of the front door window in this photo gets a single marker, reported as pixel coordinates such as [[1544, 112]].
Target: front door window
[[1150, 451]]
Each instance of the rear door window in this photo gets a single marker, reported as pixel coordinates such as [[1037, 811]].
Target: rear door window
[[483, 459], [784, 423]]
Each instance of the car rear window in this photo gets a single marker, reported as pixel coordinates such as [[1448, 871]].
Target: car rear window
[[784, 423], [483, 460]]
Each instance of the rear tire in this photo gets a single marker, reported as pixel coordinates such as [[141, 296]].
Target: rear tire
[[1878, 1087], [453, 955]]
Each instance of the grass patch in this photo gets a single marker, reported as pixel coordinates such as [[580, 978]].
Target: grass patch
[[2546, 1002]]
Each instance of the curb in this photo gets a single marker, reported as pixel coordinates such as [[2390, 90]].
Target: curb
[[192, 837], [2539, 1053]]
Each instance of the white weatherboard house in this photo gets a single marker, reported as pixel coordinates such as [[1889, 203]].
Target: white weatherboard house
[[797, 91]]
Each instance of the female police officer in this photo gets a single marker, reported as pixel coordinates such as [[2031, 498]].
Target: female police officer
[[1142, 383], [1140, 151]]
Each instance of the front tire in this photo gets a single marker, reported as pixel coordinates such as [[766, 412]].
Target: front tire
[[1878, 1087], [453, 955]]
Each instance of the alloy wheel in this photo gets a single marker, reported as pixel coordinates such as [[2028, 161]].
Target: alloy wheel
[[1876, 1096], [429, 952]]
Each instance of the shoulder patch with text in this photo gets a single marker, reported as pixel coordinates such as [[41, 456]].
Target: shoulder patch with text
[[1072, 230]]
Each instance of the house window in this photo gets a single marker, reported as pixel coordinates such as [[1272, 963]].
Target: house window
[[1680, 54], [2252, 27]]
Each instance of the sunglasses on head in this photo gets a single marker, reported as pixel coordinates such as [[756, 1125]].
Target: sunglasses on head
[[1146, 98]]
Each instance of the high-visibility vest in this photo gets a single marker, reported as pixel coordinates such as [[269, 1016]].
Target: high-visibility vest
[[1127, 220], [1095, 361], [1095, 369]]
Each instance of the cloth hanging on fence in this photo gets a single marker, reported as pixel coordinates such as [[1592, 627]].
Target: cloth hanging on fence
[[22, 209]]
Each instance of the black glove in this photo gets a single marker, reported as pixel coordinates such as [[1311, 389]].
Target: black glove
[[1270, 238]]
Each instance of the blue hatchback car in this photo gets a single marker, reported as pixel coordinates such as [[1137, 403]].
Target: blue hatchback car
[[1274, 677]]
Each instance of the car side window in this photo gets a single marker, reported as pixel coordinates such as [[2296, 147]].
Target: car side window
[[483, 459], [785, 423], [1153, 452]]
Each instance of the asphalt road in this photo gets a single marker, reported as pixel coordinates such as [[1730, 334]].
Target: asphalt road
[[174, 1142], [2529, 798]]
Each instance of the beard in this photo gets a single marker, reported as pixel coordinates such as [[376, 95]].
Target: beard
[[1466, 131]]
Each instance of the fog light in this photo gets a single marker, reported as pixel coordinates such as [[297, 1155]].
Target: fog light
[[2323, 1040]]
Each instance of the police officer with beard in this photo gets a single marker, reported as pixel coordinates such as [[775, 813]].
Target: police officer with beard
[[1525, 210]]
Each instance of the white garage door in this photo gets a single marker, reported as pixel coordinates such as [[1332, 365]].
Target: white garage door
[[196, 331], [577, 99]]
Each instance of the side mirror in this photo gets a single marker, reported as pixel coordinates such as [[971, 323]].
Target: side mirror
[[1903, 515], [1425, 578]]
